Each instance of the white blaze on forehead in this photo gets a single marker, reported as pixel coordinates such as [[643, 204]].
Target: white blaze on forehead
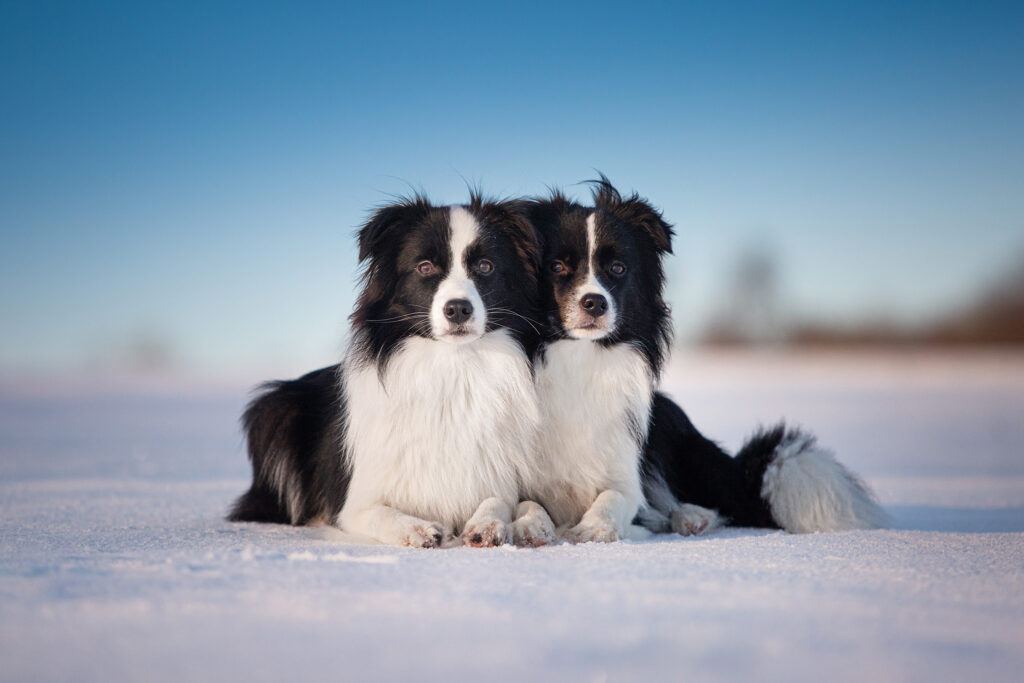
[[464, 232], [590, 285], [457, 284], [591, 243]]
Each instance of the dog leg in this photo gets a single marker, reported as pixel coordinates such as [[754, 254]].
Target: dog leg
[[605, 521], [388, 525], [533, 526], [693, 520], [490, 525]]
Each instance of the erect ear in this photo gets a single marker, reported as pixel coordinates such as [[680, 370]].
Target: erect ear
[[635, 211], [382, 224]]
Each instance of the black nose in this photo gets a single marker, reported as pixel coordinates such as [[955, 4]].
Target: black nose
[[594, 304], [458, 310]]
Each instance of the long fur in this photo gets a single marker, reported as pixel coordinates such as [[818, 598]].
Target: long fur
[[804, 486], [444, 429], [780, 478], [292, 436], [681, 466], [596, 370], [602, 419], [423, 429], [410, 439]]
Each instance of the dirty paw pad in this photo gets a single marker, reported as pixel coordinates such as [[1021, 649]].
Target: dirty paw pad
[[486, 534], [533, 532], [424, 536]]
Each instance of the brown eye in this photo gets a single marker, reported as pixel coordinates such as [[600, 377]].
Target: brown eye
[[484, 267], [618, 268], [559, 268], [425, 268]]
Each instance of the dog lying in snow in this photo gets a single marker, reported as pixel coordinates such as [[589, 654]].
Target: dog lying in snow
[[472, 389], [423, 430], [613, 451]]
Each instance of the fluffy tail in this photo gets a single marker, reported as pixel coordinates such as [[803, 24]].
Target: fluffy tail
[[805, 487]]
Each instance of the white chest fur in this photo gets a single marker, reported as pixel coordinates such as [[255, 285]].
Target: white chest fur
[[595, 408], [449, 426]]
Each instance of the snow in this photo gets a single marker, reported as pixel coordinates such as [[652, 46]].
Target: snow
[[115, 563]]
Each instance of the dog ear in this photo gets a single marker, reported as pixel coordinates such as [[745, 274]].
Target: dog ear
[[383, 222], [635, 211], [515, 217], [652, 221], [525, 236], [546, 214]]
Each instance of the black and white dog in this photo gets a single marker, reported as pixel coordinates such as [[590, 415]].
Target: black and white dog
[[406, 437], [424, 429], [607, 333], [611, 449]]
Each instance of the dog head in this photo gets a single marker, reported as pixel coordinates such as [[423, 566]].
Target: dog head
[[602, 272], [448, 273]]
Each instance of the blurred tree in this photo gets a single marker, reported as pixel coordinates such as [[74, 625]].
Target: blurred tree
[[750, 314], [996, 317], [750, 308]]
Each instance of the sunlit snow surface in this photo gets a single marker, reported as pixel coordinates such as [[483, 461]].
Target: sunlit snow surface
[[115, 564]]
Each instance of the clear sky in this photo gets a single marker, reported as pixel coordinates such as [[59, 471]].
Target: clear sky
[[189, 175]]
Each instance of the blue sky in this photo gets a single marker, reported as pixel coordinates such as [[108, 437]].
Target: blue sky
[[193, 173]]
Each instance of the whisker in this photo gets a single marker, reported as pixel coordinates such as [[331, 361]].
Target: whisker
[[399, 316], [509, 310], [505, 311], [407, 316]]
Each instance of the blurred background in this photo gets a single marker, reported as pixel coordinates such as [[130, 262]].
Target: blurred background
[[180, 183]]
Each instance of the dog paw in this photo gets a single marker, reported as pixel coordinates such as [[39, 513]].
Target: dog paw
[[693, 520], [593, 532], [533, 529], [424, 535], [486, 534]]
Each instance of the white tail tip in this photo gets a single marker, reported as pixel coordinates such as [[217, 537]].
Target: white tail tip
[[808, 490]]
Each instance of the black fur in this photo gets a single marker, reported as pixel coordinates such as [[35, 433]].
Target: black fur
[[394, 299], [297, 425], [698, 471], [294, 425], [295, 429], [631, 231]]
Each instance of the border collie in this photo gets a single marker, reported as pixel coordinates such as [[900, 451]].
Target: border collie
[[423, 430], [611, 449]]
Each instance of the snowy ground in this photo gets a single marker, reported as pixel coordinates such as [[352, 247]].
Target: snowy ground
[[115, 564]]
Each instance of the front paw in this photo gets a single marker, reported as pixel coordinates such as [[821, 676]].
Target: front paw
[[424, 535], [593, 532], [533, 530], [693, 520], [486, 534]]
